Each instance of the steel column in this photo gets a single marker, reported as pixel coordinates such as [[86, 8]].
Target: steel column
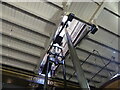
[[76, 63], [46, 75], [64, 74]]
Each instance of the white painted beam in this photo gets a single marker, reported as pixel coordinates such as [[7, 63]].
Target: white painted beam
[[21, 50], [24, 25], [21, 65], [23, 39], [28, 11]]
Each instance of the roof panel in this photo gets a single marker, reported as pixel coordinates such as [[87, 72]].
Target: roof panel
[[42, 9], [83, 10], [100, 50], [113, 6], [20, 32], [19, 15], [19, 56], [106, 38], [15, 63], [108, 21], [18, 44]]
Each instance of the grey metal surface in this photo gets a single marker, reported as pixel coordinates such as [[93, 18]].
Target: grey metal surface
[[77, 65]]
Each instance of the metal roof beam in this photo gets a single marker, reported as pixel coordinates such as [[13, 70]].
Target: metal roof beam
[[17, 59], [21, 25], [23, 40], [107, 69], [75, 77], [112, 12], [88, 72], [110, 32], [95, 65], [101, 44], [105, 58], [51, 3], [28, 12], [19, 50]]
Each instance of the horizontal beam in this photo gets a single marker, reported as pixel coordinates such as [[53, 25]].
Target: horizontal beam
[[19, 50], [36, 45], [76, 79], [72, 82], [17, 59], [16, 69], [29, 73], [54, 5], [22, 39], [87, 72], [105, 58], [17, 64], [95, 65], [10, 5], [112, 12], [21, 25], [101, 44], [101, 27]]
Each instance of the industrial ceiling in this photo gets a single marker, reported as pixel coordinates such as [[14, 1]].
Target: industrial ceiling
[[28, 26]]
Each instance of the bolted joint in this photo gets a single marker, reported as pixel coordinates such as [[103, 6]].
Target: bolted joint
[[62, 23], [93, 29], [70, 17]]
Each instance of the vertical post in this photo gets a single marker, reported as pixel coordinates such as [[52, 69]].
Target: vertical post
[[46, 75], [77, 66], [64, 74]]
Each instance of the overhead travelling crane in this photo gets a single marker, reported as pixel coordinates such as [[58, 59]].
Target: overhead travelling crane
[[69, 33]]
